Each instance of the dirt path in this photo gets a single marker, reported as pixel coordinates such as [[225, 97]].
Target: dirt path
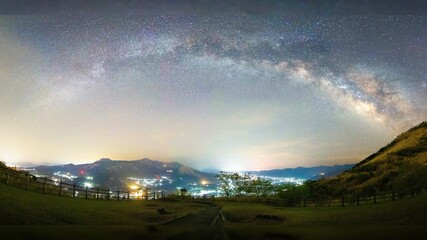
[[205, 225], [210, 216]]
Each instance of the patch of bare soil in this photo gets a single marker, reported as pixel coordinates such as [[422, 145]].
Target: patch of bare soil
[[267, 219]]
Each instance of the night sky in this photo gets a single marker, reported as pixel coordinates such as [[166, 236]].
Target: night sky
[[233, 93]]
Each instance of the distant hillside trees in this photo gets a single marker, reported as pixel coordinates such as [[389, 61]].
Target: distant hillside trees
[[235, 184], [248, 185], [227, 182], [183, 192], [261, 187], [293, 193]]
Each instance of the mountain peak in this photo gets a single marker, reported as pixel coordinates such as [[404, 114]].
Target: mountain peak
[[104, 160]]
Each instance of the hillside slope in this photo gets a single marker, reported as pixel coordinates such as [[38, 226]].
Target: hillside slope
[[400, 164]]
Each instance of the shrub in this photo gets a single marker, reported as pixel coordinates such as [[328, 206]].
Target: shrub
[[411, 151], [293, 193]]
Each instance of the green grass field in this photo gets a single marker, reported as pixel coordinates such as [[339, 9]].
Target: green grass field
[[29, 215], [22, 207], [400, 219], [403, 211]]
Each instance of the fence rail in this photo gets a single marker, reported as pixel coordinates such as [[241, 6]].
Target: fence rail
[[48, 186], [330, 201], [45, 185], [345, 200]]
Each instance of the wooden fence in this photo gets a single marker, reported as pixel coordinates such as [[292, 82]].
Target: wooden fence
[[345, 200], [60, 188], [45, 185]]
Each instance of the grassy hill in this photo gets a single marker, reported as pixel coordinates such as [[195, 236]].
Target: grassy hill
[[400, 164]]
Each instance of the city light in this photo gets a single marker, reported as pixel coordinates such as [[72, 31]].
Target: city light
[[65, 175]]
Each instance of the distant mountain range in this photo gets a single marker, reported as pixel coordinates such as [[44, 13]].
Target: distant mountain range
[[402, 164], [120, 174], [116, 173], [306, 172]]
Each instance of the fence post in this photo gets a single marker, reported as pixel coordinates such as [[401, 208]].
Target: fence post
[[375, 198], [60, 187], [8, 176], [108, 194], [86, 192], [74, 190], [28, 183], [118, 195], [412, 192], [342, 201], [128, 196], [305, 202], [44, 185], [392, 194], [97, 193], [358, 198]]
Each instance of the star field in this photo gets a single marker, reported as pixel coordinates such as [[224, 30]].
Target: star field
[[223, 92]]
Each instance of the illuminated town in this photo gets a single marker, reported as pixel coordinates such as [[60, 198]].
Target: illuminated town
[[151, 188]]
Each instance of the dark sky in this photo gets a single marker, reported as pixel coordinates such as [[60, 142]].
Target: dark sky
[[214, 7], [231, 92]]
